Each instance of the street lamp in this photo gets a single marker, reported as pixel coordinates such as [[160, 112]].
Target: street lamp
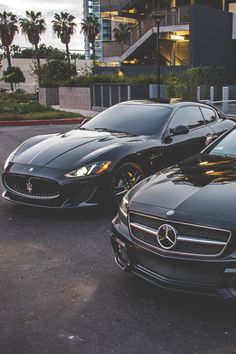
[[158, 18]]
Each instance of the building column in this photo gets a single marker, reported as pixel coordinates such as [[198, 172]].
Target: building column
[[173, 53], [223, 5], [173, 3]]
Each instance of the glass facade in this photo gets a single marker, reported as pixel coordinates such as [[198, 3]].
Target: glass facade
[[105, 29]]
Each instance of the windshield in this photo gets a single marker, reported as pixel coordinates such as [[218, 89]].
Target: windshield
[[132, 119], [226, 146]]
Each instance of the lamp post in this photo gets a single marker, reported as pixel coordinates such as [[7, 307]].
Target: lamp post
[[158, 18]]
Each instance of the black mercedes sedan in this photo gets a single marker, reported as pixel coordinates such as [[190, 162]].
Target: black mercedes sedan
[[177, 228], [106, 156]]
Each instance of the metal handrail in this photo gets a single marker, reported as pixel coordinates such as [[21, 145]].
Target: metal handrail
[[172, 16], [176, 57], [115, 4]]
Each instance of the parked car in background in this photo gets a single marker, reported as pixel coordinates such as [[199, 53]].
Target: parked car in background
[[177, 228], [106, 156]]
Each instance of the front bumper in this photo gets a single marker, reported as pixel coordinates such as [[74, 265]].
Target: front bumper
[[198, 276], [72, 193]]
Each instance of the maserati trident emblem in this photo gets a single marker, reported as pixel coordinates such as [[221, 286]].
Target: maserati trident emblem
[[29, 187], [167, 236], [170, 212]]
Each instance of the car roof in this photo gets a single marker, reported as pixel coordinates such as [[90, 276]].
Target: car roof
[[164, 103]]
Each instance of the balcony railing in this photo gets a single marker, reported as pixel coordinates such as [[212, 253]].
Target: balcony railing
[[115, 5], [172, 17]]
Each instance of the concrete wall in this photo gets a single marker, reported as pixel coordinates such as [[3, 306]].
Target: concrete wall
[[75, 98], [26, 66], [49, 96]]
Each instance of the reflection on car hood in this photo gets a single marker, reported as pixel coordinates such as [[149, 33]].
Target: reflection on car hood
[[66, 150], [203, 185]]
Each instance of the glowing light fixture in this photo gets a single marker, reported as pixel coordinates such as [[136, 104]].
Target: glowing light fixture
[[120, 74], [176, 37]]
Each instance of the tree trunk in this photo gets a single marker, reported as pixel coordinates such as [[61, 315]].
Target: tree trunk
[[93, 49], [38, 62], [9, 63], [68, 53]]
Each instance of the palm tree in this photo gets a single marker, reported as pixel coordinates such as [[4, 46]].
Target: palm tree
[[64, 28], [91, 28], [8, 30], [121, 32], [33, 26]]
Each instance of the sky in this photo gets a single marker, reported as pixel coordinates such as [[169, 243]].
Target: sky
[[48, 8]]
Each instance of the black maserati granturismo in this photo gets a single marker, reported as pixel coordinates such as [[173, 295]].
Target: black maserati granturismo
[[177, 228], [106, 156]]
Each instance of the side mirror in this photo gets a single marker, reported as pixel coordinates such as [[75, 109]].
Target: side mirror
[[180, 130]]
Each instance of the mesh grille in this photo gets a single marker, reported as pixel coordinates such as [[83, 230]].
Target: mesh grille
[[191, 273], [190, 231], [31, 187]]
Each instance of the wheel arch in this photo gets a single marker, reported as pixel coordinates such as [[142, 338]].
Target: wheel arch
[[137, 159]]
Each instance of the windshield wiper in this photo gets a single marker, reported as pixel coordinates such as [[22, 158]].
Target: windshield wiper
[[111, 131], [83, 128]]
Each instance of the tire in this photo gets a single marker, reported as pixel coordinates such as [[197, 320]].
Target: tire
[[124, 178]]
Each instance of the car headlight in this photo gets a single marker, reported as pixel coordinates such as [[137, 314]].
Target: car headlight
[[8, 160], [95, 168], [124, 206]]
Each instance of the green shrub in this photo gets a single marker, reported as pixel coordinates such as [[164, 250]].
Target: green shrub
[[50, 83], [31, 107], [142, 79], [185, 84], [57, 70], [13, 75], [88, 80], [17, 97], [21, 103]]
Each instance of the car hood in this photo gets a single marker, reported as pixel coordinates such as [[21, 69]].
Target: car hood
[[203, 185], [70, 149]]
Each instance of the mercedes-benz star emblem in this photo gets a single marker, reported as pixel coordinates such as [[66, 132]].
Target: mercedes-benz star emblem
[[29, 187], [167, 236]]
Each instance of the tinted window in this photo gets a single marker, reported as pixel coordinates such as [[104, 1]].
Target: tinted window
[[209, 115], [227, 146], [191, 117], [134, 119]]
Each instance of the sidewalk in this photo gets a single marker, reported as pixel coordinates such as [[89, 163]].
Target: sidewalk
[[85, 113]]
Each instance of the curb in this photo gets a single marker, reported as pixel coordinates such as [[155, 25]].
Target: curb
[[15, 123]]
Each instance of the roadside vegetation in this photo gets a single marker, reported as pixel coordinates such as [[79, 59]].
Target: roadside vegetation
[[185, 84], [21, 106], [178, 85]]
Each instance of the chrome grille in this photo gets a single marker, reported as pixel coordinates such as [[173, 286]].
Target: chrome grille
[[192, 240], [39, 188]]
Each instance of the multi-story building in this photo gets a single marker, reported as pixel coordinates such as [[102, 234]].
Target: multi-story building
[[192, 33], [94, 7]]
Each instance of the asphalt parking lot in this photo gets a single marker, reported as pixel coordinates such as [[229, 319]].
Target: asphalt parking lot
[[62, 293]]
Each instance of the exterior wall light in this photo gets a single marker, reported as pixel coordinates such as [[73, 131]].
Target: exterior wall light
[[176, 37]]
